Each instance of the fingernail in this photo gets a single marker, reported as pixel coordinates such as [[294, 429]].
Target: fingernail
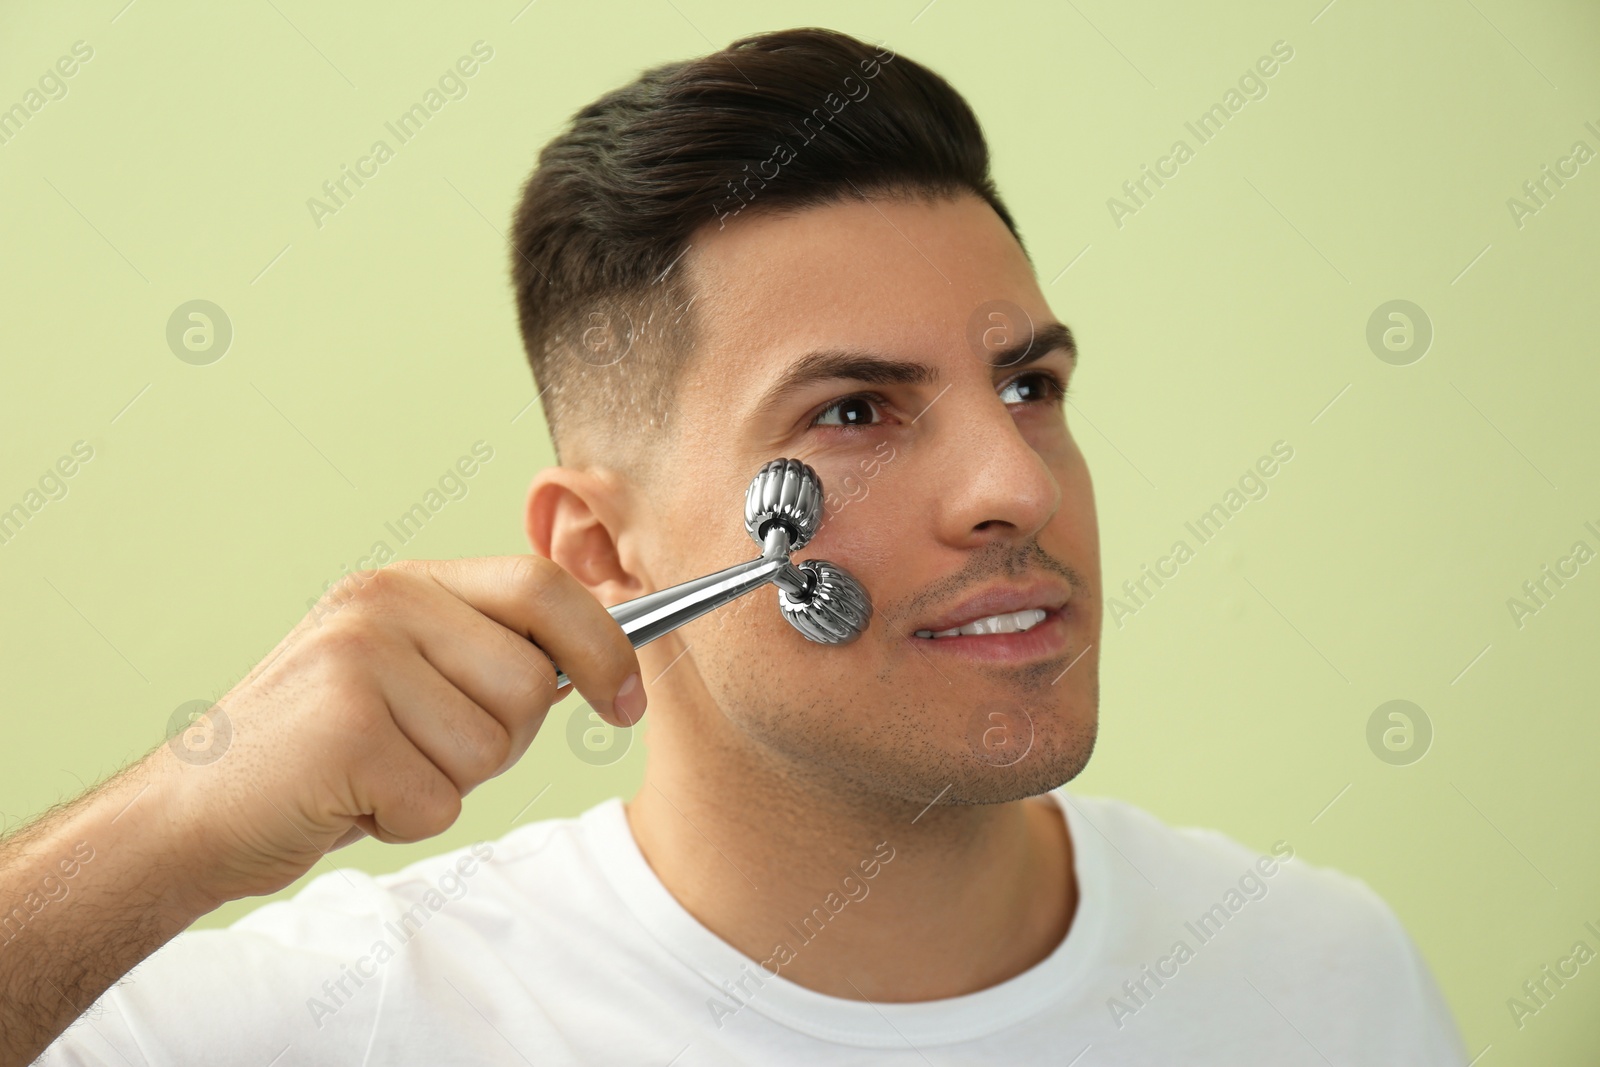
[[630, 700]]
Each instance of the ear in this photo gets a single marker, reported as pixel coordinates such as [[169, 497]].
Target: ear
[[576, 518]]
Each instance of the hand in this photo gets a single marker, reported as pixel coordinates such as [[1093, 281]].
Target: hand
[[401, 691]]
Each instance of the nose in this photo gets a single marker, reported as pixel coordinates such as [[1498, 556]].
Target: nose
[[993, 484]]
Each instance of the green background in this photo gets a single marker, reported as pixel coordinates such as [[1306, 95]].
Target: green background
[[1228, 313]]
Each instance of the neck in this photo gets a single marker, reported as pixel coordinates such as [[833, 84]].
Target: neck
[[847, 893]]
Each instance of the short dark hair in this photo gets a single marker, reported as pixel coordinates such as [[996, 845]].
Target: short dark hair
[[774, 122]]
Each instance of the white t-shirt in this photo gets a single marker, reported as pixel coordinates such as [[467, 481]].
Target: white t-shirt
[[557, 944]]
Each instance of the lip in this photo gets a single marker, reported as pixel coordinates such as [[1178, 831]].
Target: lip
[[999, 600], [1048, 637]]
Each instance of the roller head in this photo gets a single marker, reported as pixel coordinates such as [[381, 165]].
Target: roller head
[[836, 611], [784, 491]]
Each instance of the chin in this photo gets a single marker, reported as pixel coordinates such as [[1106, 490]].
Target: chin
[[1000, 757], [879, 739], [1024, 767]]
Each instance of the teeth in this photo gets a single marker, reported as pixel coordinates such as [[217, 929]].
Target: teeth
[[1013, 622]]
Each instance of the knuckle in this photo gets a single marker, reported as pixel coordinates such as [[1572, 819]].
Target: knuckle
[[534, 683], [356, 710], [411, 798], [438, 811], [342, 661], [378, 591], [533, 674], [384, 583], [354, 586], [350, 642], [498, 758], [489, 743], [533, 579]]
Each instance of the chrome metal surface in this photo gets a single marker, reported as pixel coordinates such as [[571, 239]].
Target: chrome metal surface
[[782, 511], [837, 610], [784, 491]]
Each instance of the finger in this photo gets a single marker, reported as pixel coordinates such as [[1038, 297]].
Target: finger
[[502, 672], [466, 743], [402, 795], [541, 602]]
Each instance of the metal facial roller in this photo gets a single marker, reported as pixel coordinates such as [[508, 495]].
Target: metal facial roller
[[782, 510]]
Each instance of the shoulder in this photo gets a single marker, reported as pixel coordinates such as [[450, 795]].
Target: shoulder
[[315, 969], [1196, 864], [1312, 936]]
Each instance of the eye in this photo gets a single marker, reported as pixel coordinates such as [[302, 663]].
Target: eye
[[856, 410], [1038, 387]]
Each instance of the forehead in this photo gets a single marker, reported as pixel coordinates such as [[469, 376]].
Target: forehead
[[895, 275]]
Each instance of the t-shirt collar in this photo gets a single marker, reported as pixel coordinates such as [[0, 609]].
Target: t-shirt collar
[[842, 1020]]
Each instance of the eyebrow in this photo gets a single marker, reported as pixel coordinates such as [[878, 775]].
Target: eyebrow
[[862, 366]]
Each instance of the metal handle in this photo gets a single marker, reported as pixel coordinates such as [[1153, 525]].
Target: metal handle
[[783, 508], [651, 616]]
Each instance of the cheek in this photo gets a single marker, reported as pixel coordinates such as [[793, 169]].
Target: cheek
[[761, 673], [758, 653], [697, 534], [1077, 520], [735, 634], [865, 504]]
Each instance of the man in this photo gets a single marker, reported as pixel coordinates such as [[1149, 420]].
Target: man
[[790, 248]]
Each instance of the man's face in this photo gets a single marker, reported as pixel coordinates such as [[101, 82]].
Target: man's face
[[946, 477]]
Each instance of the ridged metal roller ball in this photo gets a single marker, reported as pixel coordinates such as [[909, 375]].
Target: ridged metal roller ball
[[782, 511], [837, 611], [785, 491]]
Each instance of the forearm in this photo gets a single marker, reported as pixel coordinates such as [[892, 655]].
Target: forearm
[[86, 892]]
